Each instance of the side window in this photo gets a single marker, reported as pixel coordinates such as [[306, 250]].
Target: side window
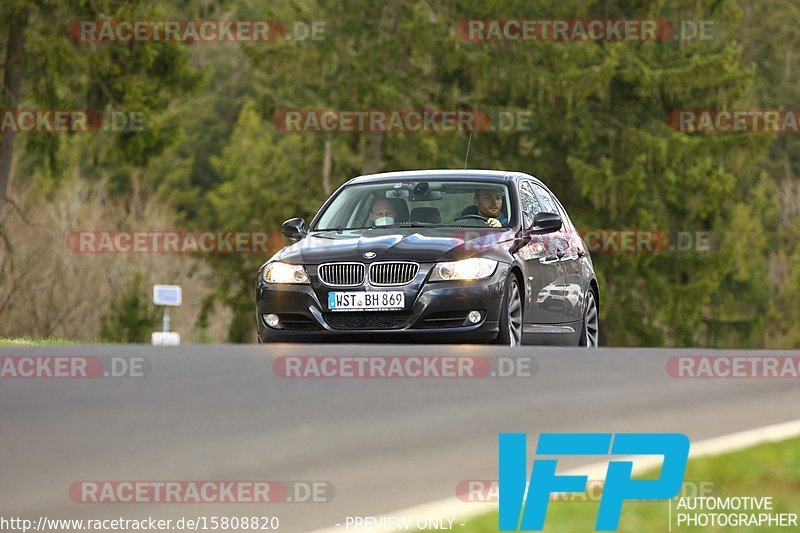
[[530, 205], [564, 216], [562, 213], [555, 205], [546, 201], [573, 242]]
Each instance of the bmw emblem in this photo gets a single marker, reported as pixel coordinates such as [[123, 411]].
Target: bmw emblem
[[369, 255]]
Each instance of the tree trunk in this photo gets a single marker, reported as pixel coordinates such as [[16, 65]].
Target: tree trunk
[[12, 77], [327, 157], [372, 152]]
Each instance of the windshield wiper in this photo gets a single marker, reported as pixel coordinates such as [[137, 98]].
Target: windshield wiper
[[341, 229], [410, 225]]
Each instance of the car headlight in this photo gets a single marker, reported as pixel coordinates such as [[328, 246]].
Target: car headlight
[[278, 272], [466, 269]]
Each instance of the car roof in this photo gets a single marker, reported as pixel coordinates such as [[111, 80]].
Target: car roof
[[470, 174]]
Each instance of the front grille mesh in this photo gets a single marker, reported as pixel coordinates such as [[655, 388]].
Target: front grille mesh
[[394, 273], [368, 320], [383, 274], [341, 274]]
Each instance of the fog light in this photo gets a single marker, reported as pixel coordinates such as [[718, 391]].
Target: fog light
[[474, 317], [272, 320]]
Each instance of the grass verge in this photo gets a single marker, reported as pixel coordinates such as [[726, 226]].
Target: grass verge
[[28, 341]]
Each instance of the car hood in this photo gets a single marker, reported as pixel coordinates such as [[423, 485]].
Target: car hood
[[399, 244]]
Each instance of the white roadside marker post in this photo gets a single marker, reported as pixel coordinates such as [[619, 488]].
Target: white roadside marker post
[[166, 296]]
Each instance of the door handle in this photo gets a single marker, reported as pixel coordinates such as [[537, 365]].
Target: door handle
[[572, 256]]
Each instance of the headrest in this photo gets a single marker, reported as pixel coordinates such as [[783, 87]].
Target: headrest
[[426, 214]]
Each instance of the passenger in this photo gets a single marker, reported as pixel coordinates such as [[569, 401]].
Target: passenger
[[383, 213]]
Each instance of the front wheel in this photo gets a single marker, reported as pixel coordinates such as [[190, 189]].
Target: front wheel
[[590, 334], [511, 315]]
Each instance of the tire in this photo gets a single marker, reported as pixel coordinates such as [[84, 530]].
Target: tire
[[590, 332], [511, 314]]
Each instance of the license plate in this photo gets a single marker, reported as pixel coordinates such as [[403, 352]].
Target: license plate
[[366, 301]]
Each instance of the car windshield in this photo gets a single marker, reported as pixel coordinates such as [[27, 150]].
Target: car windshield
[[419, 203]]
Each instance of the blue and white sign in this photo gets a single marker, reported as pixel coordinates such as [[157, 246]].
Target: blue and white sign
[[167, 295]]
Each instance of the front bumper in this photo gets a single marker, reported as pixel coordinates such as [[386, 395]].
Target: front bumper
[[434, 312]]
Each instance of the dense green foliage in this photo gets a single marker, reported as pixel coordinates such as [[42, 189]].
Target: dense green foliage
[[599, 136], [132, 316]]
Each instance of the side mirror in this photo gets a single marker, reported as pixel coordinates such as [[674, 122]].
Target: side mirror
[[294, 229], [545, 223]]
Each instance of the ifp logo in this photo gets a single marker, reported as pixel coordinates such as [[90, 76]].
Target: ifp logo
[[514, 505]]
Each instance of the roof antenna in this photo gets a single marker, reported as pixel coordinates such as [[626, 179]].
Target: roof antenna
[[466, 157]]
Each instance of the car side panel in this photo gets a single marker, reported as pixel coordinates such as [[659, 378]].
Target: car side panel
[[543, 273]]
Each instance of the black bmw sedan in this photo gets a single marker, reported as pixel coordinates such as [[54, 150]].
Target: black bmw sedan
[[435, 255]]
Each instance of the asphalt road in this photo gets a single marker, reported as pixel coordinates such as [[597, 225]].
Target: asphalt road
[[220, 413]]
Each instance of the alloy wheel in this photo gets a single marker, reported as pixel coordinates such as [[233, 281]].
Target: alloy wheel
[[591, 323], [514, 314]]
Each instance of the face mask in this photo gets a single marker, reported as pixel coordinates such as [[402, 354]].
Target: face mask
[[384, 221]]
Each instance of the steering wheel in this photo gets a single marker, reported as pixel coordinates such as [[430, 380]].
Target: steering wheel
[[479, 217]]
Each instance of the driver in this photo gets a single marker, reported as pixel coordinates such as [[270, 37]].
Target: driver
[[383, 213], [490, 205]]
